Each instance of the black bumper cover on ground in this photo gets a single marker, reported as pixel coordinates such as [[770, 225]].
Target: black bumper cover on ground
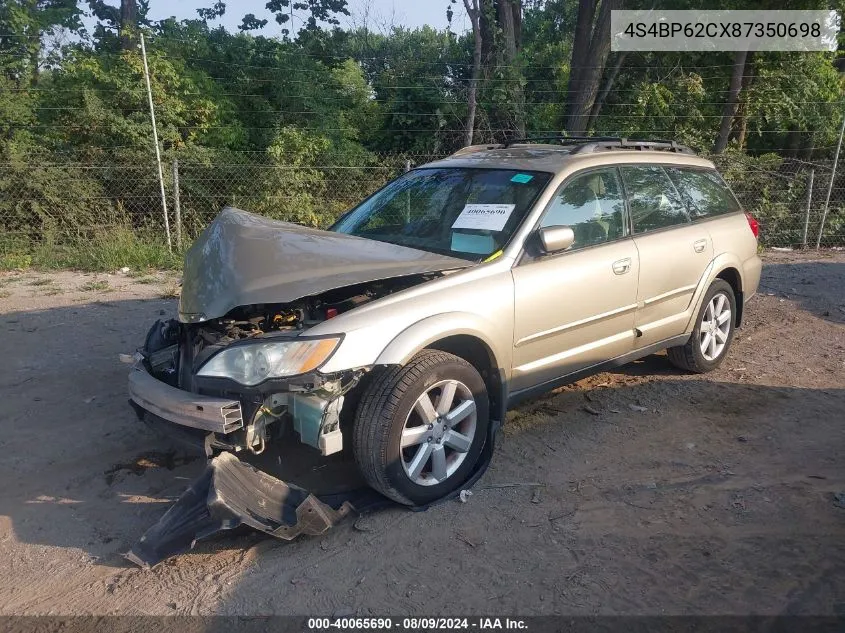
[[231, 493]]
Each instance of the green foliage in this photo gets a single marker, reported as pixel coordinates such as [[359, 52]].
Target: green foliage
[[292, 185], [771, 194], [318, 11], [419, 79], [15, 261], [308, 119]]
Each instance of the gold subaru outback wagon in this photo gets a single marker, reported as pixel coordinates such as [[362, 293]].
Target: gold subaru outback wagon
[[403, 333]]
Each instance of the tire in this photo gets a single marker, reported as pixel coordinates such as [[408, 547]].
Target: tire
[[691, 356], [389, 411]]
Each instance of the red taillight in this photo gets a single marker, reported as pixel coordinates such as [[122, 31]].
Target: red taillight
[[753, 224], [331, 313]]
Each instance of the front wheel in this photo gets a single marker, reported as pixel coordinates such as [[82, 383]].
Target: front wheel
[[713, 333], [419, 429]]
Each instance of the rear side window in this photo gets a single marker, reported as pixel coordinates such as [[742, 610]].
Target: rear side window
[[703, 191], [653, 199]]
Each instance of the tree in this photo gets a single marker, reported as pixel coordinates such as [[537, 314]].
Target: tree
[[122, 21], [500, 25], [590, 50], [509, 18], [217, 10], [251, 23], [474, 13], [740, 124], [608, 86], [731, 103], [23, 25], [318, 11]]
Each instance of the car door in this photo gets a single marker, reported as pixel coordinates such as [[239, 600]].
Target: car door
[[576, 308], [673, 252]]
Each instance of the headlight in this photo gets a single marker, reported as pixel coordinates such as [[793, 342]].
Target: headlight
[[253, 363]]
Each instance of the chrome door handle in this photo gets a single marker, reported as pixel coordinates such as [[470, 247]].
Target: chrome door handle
[[622, 266], [698, 245]]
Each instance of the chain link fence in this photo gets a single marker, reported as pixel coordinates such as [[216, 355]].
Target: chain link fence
[[71, 201]]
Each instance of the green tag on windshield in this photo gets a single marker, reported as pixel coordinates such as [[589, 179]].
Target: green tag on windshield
[[522, 178]]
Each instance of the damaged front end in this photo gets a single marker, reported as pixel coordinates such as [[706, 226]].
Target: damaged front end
[[171, 392], [241, 381], [239, 370]]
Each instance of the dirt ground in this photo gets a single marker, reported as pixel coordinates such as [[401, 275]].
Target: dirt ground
[[659, 492]]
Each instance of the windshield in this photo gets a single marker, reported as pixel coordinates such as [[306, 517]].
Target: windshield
[[467, 213]]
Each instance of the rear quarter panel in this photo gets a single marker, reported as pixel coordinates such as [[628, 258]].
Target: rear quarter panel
[[734, 246], [731, 235]]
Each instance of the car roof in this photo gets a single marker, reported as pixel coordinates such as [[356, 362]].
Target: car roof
[[554, 159]]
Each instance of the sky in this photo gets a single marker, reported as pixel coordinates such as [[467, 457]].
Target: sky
[[379, 15]]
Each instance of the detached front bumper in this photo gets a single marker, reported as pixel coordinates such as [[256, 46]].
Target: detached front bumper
[[215, 415], [231, 493], [312, 406]]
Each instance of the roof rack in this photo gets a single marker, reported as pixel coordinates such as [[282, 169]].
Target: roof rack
[[587, 144], [471, 149]]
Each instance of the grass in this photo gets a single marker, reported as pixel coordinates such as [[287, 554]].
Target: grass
[[146, 280], [15, 260], [107, 249], [5, 294], [94, 286], [40, 282], [171, 291]]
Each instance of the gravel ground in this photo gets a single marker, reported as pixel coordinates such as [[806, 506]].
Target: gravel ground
[[660, 493]]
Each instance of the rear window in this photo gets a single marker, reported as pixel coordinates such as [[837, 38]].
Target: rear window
[[703, 191]]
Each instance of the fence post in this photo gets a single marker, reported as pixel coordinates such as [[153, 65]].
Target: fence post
[[830, 184], [407, 194], [155, 142], [807, 212], [177, 206]]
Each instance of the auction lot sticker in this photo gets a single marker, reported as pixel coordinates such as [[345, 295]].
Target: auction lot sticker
[[486, 217], [741, 30]]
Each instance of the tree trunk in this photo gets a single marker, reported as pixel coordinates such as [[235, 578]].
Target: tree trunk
[[729, 109], [608, 85], [128, 24], [35, 60], [473, 11], [504, 17], [793, 141], [807, 147], [34, 44], [591, 72], [487, 24], [506, 10], [580, 50], [739, 128]]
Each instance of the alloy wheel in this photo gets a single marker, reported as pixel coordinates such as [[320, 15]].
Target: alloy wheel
[[715, 326], [438, 433]]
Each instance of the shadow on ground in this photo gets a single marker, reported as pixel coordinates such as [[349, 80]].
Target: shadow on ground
[[816, 286], [621, 494]]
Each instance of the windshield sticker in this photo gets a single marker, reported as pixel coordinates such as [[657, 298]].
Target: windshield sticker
[[485, 217], [522, 178]]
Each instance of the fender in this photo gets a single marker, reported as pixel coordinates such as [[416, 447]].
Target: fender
[[719, 263], [430, 329]]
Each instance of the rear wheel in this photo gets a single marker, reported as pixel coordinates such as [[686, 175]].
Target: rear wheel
[[714, 331], [419, 429]]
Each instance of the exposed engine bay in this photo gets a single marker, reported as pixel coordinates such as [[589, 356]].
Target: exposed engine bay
[[309, 404]]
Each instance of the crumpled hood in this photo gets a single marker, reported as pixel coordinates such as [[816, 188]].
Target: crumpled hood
[[242, 259]]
